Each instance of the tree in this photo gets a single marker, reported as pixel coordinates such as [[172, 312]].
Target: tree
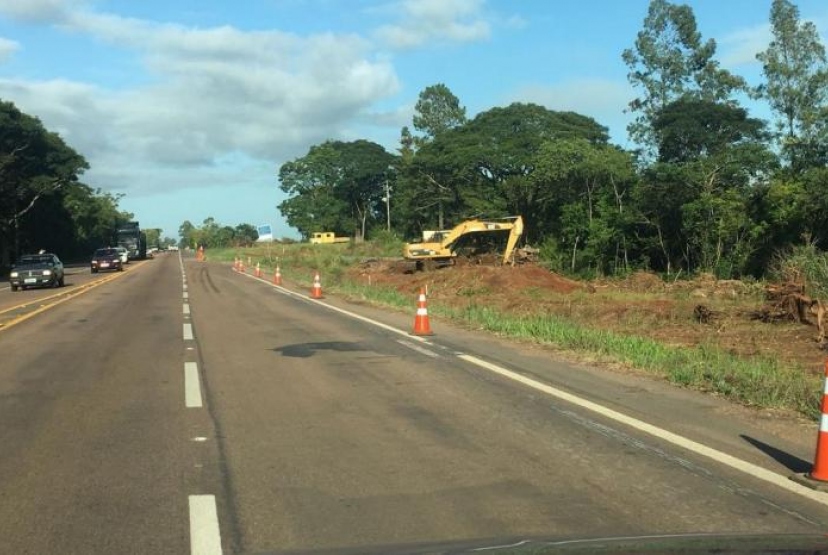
[[483, 166], [245, 235], [153, 237], [188, 234], [34, 164], [696, 199], [689, 129], [670, 60], [796, 87], [579, 196], [437, 111], [337, 186]]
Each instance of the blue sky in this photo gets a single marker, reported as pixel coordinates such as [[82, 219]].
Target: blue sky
[[188, 108]]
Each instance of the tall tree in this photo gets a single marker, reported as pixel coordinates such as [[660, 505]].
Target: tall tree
[[34, 163], [796, 86], [670, 60], [482, 167], [437, 111], [696, 198], [338, 186]]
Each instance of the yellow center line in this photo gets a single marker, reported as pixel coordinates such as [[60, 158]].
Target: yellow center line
[[85, 288]]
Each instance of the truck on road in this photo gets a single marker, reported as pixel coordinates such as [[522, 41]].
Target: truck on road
[[130, 236]]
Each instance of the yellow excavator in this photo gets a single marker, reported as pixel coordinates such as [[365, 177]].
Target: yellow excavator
[[472, 239]]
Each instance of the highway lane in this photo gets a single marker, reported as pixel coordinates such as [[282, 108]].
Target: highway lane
[[97, 452], [209, 413], [336, 433], [14, 305]]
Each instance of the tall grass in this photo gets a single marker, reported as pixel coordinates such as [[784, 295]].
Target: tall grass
[[804, 264], [758, 381]]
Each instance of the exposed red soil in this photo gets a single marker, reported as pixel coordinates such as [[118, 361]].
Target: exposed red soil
[[642, 304]]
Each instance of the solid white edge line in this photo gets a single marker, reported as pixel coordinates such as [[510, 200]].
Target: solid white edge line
[[192, 386], [188, 332], [421, 350], [680, 441], [386, 327], [205, 537]]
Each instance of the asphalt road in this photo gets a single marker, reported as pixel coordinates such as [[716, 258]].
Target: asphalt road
[[207, 412]]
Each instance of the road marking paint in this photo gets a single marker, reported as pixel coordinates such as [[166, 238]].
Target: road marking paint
[[660, 433], [421, 350], [186, 295], [200, 439], [66, 296], [675, 439], [205, 538], [386, 327], [188, 332], [192, 386], [186, 308], [184, 286]]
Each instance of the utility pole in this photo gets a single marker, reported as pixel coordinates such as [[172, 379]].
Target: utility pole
[[387, 199]]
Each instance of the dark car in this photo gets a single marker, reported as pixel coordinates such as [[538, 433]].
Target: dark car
[[36, 270], [107, 259]]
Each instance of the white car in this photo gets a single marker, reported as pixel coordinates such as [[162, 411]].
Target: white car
[[123, 255]]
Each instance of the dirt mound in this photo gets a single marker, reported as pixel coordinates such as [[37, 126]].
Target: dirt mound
[[465, 278], [643, 281]]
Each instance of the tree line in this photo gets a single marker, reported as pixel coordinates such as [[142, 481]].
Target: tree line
[[43, 202], [212, 234], [708, 188]]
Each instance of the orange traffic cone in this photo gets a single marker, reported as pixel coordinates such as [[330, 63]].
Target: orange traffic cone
[[316, 290], [277, 277], [820, 470], [258, 270], [421, 325]]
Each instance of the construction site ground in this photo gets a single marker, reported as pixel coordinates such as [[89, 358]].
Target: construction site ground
[[643, 304]]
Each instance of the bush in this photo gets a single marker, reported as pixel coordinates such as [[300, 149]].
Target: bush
[[804, 264]]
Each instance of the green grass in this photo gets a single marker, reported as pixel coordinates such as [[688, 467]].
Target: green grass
[[754, 381]]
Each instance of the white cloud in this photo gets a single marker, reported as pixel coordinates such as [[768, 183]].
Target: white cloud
[[264, 94], [37, 11], [422, 21], [7, 49], [740, 47]]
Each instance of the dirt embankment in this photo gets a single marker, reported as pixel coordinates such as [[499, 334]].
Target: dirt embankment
[[642, 304]]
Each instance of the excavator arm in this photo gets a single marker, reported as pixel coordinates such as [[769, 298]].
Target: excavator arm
[[514, 237]]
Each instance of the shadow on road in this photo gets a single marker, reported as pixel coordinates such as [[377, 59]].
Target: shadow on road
[[305, 350], [791, 462]]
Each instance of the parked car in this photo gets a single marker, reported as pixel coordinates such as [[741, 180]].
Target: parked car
[[37, 270], [106, 259], [123, 253]]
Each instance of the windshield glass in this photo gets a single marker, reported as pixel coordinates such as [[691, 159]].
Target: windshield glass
[[35, 259], [105, 252]]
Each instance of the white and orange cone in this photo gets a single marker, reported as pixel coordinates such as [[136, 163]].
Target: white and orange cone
[[820, 470], [277, 277], [421, 324], [316, 290]]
